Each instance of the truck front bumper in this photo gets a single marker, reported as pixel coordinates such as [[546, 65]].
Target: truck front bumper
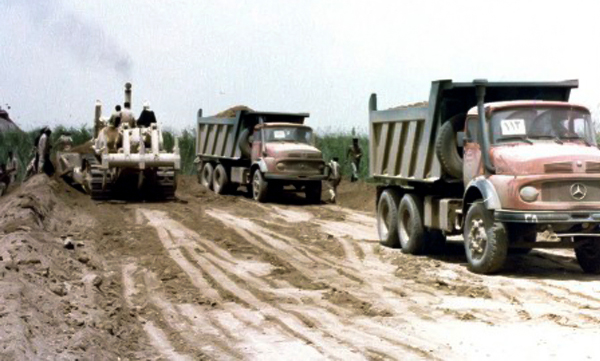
[[295, 178], [578, 216]]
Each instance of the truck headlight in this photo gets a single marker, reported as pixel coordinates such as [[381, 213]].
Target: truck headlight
[[280, 166], [529, 194]]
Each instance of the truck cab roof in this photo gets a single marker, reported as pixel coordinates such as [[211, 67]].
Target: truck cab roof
[[494, 106]]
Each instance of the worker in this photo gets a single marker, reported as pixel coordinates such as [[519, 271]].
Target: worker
[[12, 166], [43, 153], [127, 115], [334, 179], [115, 117], [65, 142], [354, 154], [146, 117]]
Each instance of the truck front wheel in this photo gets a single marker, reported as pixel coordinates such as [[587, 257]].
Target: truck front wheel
[[588, 256], [207, 175], [260, 187], [486, 241], [387, 218]]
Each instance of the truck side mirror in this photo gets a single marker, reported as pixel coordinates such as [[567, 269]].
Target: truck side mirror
[[460, 138]]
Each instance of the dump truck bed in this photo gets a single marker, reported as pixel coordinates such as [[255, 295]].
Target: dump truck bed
[[218, 137], [401, 146]]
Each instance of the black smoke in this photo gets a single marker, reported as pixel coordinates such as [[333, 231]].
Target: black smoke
[[85, 40]]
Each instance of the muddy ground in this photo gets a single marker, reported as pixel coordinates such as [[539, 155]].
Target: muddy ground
[[225, 278]]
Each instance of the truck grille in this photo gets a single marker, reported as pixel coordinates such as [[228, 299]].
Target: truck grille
[[562, 191], [560, 167], [592, 167], [305, 155], [300, 166]]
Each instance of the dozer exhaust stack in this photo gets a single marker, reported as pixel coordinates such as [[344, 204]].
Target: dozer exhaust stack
[[127, 103]]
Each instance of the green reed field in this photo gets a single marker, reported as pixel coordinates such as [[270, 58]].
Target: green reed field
[[333, 144]]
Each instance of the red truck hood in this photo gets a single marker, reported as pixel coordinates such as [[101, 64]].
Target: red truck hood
[[540, 158], [291, 150]]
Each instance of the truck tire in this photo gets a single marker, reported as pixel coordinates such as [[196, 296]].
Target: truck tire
[[244, 143], [446, 147], [486, 241], [387, 218], [260, 187], [588, 256], [199, 172], [220, 180], [411, 231], [207, 175], [521, 233], [313, 192]]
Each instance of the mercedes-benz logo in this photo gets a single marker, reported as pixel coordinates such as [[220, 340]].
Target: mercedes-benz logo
[[578, 191]]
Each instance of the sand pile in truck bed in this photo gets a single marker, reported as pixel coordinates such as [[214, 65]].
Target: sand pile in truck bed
[[422, 104], [231, 112]]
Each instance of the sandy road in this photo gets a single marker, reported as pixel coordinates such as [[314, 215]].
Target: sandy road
[[225, 278], [308, 282]]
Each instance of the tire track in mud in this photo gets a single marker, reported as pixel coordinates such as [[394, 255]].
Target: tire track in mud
[[250, 231], [159, 339], [248, 286], [289, 323], [576, 304]]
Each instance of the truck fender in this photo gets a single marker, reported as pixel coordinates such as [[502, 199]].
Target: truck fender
[[262, 165], [481, 188]]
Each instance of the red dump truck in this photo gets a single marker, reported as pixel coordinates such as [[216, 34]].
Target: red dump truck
[[509, 166], [263, 151]]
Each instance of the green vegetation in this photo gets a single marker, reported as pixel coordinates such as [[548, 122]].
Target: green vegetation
[[336, 145], [333, 144]]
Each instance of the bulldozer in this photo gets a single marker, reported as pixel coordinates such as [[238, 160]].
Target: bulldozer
[[125, 159]]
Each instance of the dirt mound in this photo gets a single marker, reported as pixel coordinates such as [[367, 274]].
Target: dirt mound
[[413, 105], [359, 196], [231, 112], [56, 299]]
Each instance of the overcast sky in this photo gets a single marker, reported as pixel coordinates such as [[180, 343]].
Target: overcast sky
[[324, 57]]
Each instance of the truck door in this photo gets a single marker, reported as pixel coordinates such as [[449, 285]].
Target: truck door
[[256, 145], [472, 162]]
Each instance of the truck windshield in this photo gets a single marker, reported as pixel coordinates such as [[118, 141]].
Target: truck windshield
[[291, 134], [548, 123]]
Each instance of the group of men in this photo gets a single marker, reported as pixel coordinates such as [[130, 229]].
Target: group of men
[[125, 116], [354, 154]]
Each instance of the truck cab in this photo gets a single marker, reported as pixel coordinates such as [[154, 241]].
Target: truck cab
[[287, 151], [510, 166], [265, 152], [543, 176]]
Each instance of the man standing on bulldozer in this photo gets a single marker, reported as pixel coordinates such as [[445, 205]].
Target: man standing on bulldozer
[[127, 116]]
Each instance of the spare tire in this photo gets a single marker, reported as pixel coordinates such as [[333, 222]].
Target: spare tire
[[446, 147], [244, 143]]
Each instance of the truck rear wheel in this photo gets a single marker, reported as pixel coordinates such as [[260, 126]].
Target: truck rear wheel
[[486, 241], [220, 180], [260, 187], [313, 192], [588, 256], [411, 231], [387, 218], [207, 175], [446, 147]]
